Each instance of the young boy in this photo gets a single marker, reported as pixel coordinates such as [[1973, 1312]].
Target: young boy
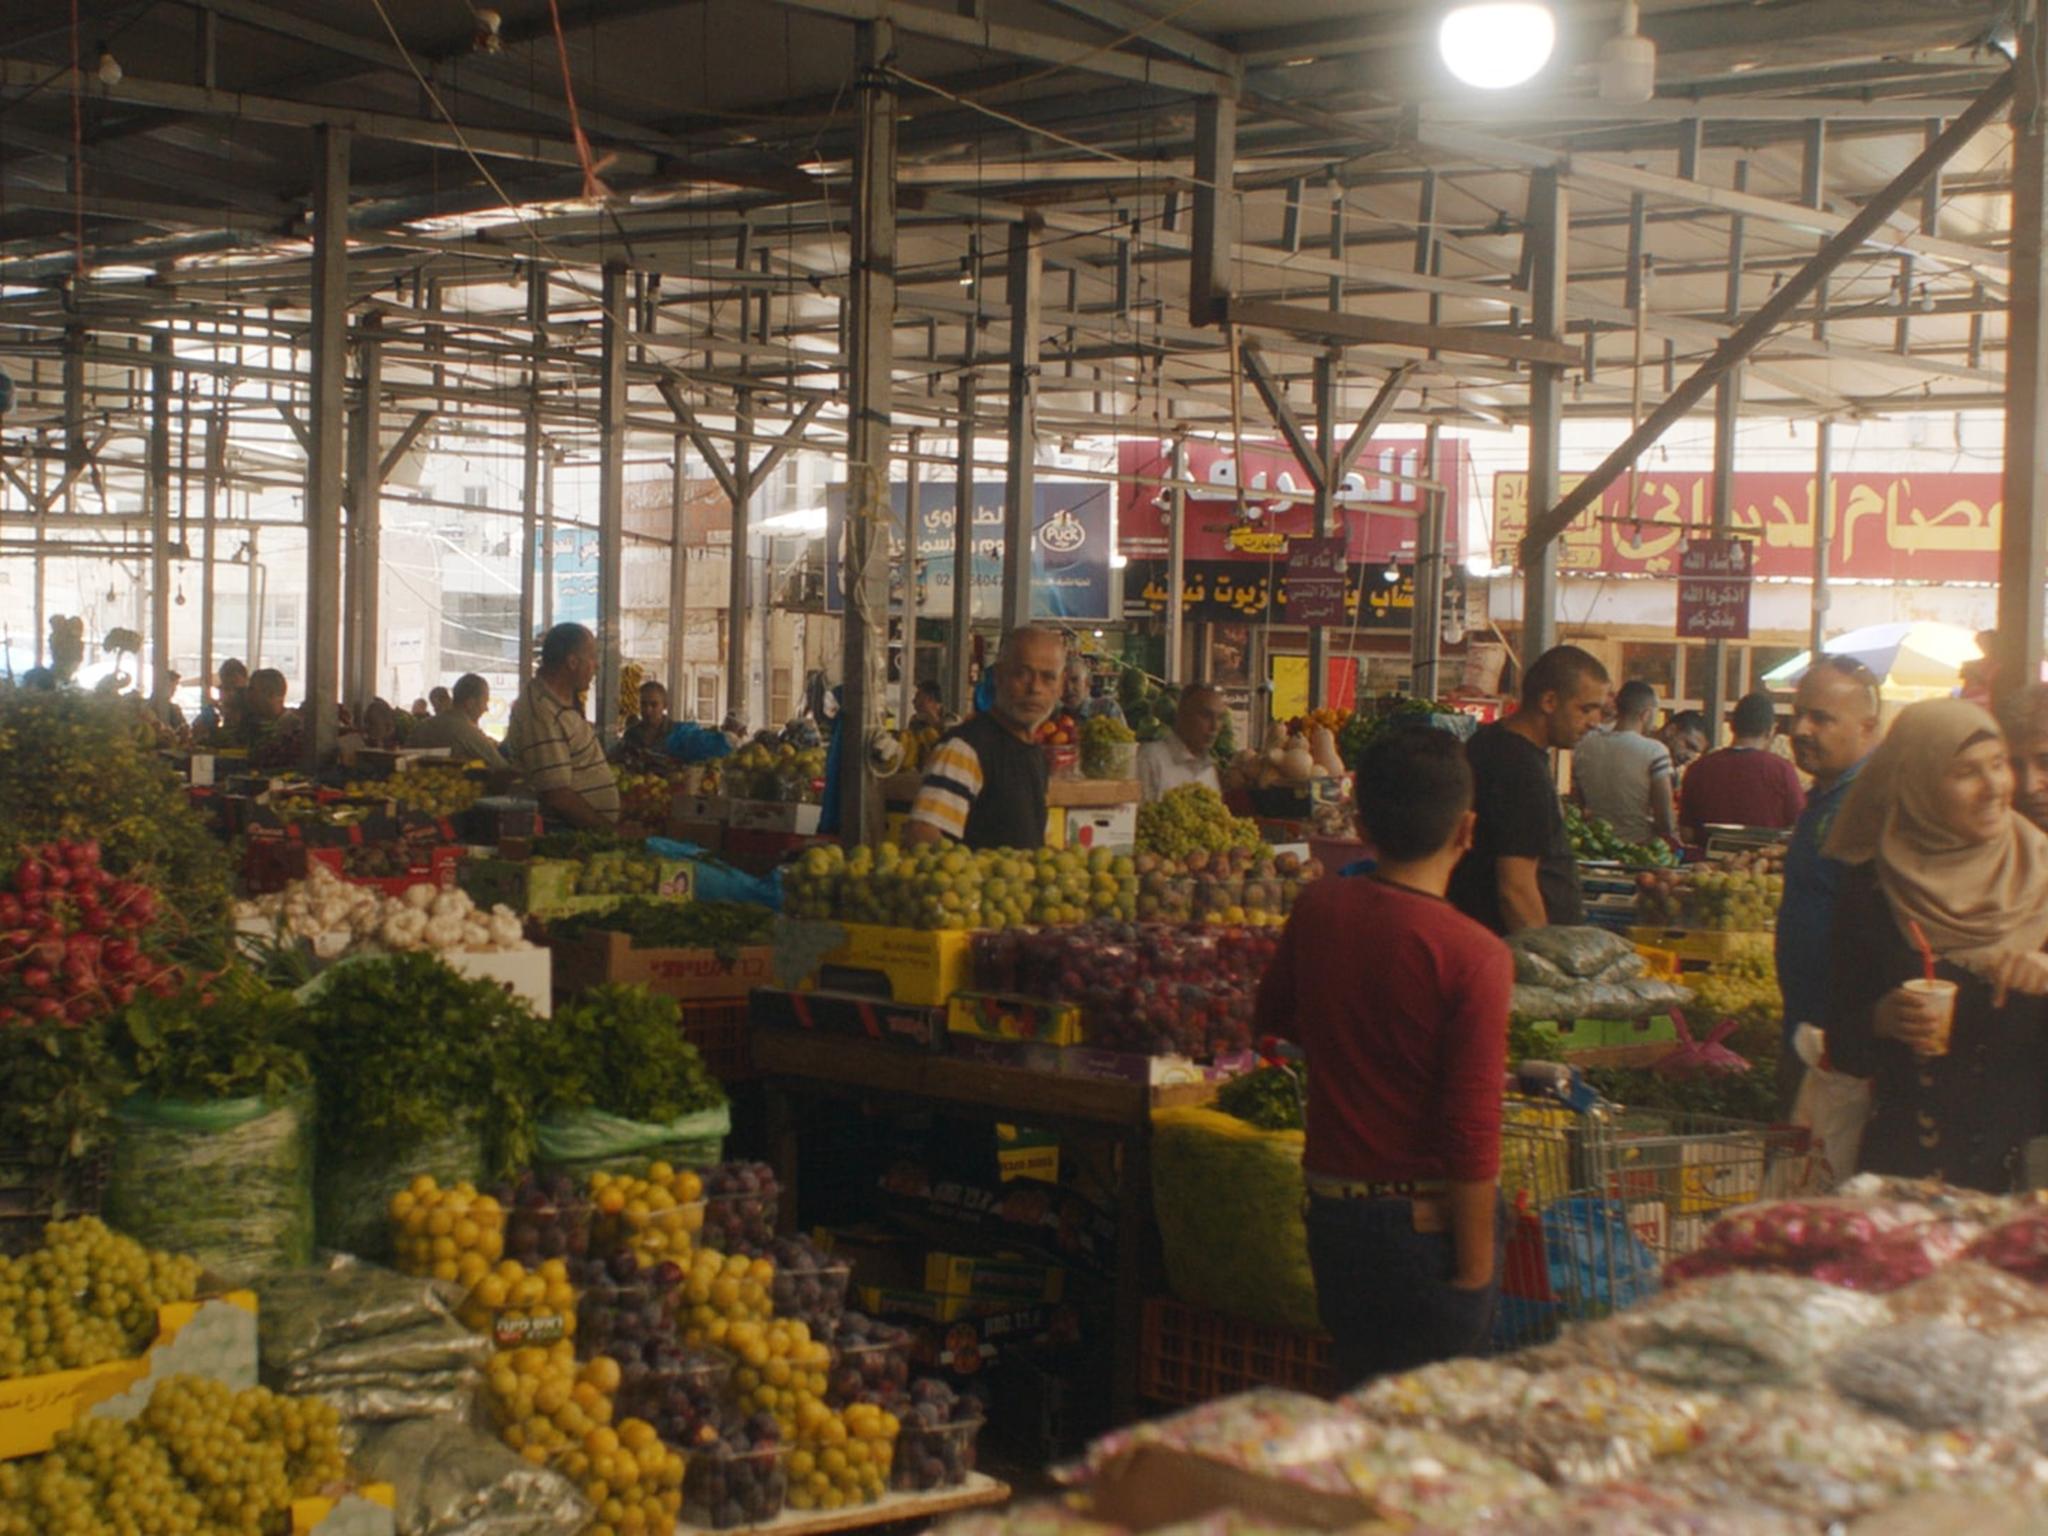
[[1401, 1004]]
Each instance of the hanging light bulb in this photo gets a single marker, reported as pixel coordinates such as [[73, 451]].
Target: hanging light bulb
[[1498, 45], [1628, 62], [1392, 574], [108, 68]]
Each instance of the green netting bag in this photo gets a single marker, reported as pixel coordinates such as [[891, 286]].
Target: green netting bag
[[1228, 1198], [580, 1142], [352, 1192], [230, 1182]]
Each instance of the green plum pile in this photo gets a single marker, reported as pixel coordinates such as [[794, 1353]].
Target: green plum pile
[[1193, 819], [759, 771], [940, 887]]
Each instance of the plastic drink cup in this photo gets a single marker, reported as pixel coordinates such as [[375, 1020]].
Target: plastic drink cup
[[1942, 996]]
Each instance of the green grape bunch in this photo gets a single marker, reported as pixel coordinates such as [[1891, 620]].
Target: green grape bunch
[[1191, 819], [87, 1296]]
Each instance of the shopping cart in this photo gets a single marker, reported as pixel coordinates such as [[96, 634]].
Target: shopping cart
[[1603, 1196]]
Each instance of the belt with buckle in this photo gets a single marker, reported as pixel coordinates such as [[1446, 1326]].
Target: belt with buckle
[[1377, 1189]]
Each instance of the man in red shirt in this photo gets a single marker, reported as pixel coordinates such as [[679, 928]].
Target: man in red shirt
[[1745, 784], [1401, 1004]]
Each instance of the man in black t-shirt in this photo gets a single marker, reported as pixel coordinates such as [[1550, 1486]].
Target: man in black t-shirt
[[1521, 872]]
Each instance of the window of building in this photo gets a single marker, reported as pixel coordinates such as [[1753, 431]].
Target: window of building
[[780, 685], [707, 698]]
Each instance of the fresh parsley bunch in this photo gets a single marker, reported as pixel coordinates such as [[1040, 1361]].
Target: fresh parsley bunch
[[621, 1049]]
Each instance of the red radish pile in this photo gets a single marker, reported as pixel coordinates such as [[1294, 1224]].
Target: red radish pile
[[75, 938]]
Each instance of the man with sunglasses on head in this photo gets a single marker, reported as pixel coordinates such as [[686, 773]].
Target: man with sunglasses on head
[[1836, 724]]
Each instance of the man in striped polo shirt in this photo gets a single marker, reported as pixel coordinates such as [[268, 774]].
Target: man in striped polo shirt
[[553, 746], [984, 785]]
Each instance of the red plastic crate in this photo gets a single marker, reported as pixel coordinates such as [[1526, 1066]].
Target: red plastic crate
[[1188, 1356], [719, 1029]]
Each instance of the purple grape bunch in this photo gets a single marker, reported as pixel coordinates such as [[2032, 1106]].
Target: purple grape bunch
[[870, 1362], [545, 1218], [809, 1283], [936, 1446], [741, 1204], [738, 1478]]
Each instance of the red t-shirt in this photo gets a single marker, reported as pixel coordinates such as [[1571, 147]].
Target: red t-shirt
[[1741, 787], [1401, 1003]]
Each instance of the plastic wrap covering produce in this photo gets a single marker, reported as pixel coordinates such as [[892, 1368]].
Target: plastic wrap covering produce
[[1974, 1295], [1576, 1425], [1899, 1258], [1798, 1234], [2009, 1513], [230, 1183], [302, 1312], [1228, 1200], [580, 1142], [2019, 1246], [353, 1184], [453, 1480], [1584, 973], [1938, 1375], [1748, 1329], [1044, 1517], [1634, 1509], [1941, 1199], [1230, 1522], [1405, 1475], [1814, 1454], [1287, 1435]]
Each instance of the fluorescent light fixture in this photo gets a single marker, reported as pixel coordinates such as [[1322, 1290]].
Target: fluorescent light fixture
[[802, 520], [1497, 45], [1118, 561]]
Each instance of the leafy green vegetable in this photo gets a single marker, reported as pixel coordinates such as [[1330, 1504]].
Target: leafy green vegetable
[[1367, 723], [723, 926], [61, 1083], [1269, 1098], [622, 1049], [232, 1037], [1593, 838], [1751, 1095], [404, 1047], [581, 845]]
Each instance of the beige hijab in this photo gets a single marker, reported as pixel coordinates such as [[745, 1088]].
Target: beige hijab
[[1974, 901]]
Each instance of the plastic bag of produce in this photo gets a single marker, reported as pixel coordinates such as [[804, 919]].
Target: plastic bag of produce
[[1974, 1295], [1587, 1425], [443, 1345], [1228, 1199], [452, 1480], [1405, 1475], [1899, 1258], [2014, 1513], [1749, 1329], [1537, 1005], [1288, 1435], [355, 1180], [303, 1312], [1044, 1517], [1941, 1375], [1595, 1256], [230, 1182], [1579, 952], [1638, 1509], [385, 1403], [585, 1141], [1441, 1396], [1532, 970], [1798, 1234]]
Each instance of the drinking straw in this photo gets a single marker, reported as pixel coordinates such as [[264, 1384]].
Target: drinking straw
[[1920, 942]]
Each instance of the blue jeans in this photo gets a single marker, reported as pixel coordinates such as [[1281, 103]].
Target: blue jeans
[[1384, 1289]]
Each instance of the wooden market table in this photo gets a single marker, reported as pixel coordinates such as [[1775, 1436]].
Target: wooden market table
[[796, 1063], [977, 1492]]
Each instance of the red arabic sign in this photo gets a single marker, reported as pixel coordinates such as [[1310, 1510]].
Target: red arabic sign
[[1881, 527], [1713, 590], [1378, 513]]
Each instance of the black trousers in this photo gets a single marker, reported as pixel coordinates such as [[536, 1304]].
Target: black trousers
[[1384, 1289]]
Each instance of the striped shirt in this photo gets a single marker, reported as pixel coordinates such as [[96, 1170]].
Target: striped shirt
[[984, 787], [554, 747]]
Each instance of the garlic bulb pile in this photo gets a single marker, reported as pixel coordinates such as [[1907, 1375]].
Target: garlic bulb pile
[[339, 918]]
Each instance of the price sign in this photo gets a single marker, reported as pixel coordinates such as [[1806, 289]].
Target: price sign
[[1714, 577], [1316, 572]]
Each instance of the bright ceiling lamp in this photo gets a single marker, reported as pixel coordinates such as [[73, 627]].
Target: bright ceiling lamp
[[1497, 45]]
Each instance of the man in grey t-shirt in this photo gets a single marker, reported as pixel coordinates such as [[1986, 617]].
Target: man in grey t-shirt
[[458, 728], [1623, 776]]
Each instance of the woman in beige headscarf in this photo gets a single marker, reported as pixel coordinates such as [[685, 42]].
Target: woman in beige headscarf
[[1936, 852]]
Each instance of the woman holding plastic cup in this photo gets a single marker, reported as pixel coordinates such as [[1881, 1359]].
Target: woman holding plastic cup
[[1940, 986]]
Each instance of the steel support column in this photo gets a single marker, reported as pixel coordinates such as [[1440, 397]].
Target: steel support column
[[1325, 385], [870, 347], [679, 581], [1177, 564], [739, 591], [1426, 639], [1727, 423], [1020, 481], [2023, 544], [326, 440], [614, 339], [906, 676], [531, 448], [160, 518], [1548, 220], [1216, 215], [1823, 522], [366, 519], [960, 692]]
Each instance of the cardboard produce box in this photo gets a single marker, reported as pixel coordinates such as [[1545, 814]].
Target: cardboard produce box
[[595, 956], [214, 1338], [959, 1274], [844, 1013], [906, 965]]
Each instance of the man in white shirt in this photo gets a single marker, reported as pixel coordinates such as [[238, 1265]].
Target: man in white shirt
[[1623, 776], [1182, 755], [457, 727]]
